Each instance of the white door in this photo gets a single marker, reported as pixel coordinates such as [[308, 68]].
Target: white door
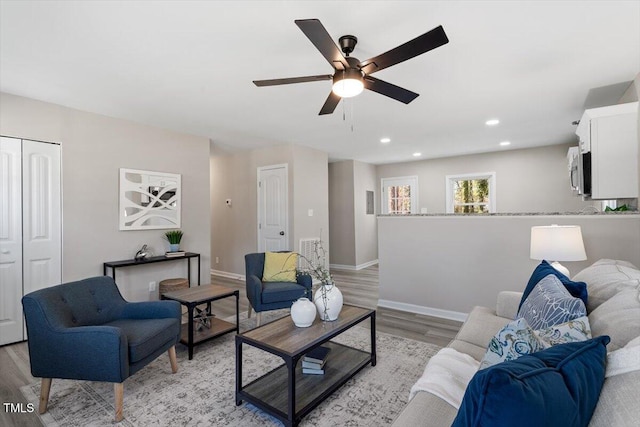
[[41, 213], [11, 320], [30, 227], [273, 231]]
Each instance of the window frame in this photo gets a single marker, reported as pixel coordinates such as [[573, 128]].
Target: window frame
[[450, 179], [396, 181]]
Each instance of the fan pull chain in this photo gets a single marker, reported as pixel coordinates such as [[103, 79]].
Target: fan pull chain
[[352, 109]]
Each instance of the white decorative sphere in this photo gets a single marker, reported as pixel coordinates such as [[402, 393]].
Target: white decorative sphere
[[303, 312]]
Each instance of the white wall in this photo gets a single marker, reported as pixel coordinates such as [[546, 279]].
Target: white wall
[[445, 265], [93, 149], [527, 180], [234, 230]]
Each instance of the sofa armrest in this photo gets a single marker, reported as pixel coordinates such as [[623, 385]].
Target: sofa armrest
[[254, 290], [151, 310], [93, 353], [507, 305]]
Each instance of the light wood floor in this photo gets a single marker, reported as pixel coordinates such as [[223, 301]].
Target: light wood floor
[[357, 287]]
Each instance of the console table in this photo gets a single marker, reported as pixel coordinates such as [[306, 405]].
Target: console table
[[133, 262]]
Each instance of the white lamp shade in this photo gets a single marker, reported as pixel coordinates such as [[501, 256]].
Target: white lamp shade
[[557, 243]]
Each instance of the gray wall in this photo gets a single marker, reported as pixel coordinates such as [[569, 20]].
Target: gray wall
[[527, 180], [310, 192], [234, 176], [354, 234], [341, 214], [444, 265], [93, 149], [366, 229]]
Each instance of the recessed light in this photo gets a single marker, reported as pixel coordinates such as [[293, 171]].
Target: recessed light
[[417, 154], [385, 140], [505, 143], [492, 122]]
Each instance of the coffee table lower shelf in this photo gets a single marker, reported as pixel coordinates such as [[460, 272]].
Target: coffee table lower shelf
[[267, 393]]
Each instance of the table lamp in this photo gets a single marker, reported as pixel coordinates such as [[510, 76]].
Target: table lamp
[[557, 243]]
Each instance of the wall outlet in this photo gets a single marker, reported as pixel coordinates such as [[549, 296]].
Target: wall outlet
[[217, 260], [152, 286]]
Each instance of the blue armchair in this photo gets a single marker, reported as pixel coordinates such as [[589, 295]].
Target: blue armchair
[[85, 330], [265, 296]]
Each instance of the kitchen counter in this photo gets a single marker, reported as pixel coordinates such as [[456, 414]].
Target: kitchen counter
[[512, 214]]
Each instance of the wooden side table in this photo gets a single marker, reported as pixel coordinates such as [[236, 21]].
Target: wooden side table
[[216, 327]]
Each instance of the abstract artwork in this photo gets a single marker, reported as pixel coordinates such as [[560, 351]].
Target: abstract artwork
[[149, 200]]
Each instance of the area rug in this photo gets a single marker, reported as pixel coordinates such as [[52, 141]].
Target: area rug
[[202, 392]]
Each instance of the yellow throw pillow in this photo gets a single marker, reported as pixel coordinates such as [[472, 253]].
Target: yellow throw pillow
[[280, 267]]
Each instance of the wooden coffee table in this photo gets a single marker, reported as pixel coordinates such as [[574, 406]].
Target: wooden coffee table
[[304, 392], [192, 297]]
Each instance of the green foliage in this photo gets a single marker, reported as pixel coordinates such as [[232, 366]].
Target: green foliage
[[621, 208], [173, 236], [468, 193]]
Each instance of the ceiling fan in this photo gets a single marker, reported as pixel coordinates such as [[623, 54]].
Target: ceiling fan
[[351, 75]]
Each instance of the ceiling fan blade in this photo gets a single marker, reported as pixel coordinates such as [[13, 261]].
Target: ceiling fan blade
[[287, 81], [390, 90], [421, 44], [330, 104], [315, 31]]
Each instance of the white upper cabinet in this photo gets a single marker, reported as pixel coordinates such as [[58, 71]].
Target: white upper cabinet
[[610, 134]]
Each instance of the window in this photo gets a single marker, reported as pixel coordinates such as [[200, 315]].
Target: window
[[400, 195], [471, 193]]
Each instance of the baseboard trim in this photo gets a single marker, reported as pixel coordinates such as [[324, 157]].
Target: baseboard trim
[[228, 275], [354, 267], [419, 309]]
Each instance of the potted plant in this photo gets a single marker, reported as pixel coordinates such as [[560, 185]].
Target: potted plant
[[173, 237]]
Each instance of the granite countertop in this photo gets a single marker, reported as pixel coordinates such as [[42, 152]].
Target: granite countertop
[[513, 214]]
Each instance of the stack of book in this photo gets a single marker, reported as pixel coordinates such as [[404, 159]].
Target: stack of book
[[314, 361], [174, 254]]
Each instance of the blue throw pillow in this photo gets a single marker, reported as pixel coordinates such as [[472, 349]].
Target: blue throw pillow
[[556, 387], [549, 304], [576, 289]]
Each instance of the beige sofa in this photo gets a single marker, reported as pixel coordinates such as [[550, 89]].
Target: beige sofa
[[613, 309]]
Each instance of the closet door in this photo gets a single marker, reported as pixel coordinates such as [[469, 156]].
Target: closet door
[[41, 213], [11, 320]]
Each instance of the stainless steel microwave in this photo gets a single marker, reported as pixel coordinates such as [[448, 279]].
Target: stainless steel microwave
[[580, 174]]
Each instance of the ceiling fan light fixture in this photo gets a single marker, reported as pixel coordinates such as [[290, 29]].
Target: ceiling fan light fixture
[[348, 83]]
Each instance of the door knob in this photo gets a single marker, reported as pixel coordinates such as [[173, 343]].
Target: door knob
[[282, 233]]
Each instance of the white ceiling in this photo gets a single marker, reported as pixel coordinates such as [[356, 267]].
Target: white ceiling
[[189, 66]]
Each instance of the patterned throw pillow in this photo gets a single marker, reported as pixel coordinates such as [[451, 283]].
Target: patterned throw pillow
[[549, 304], [514, 340], [571, 331], [575, 288]]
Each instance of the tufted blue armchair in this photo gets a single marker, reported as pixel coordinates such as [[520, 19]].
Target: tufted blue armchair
[[85, 330], [271, 295]]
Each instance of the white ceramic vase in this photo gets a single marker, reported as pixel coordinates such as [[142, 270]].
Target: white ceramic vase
[[303, 312], [330, 295]]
